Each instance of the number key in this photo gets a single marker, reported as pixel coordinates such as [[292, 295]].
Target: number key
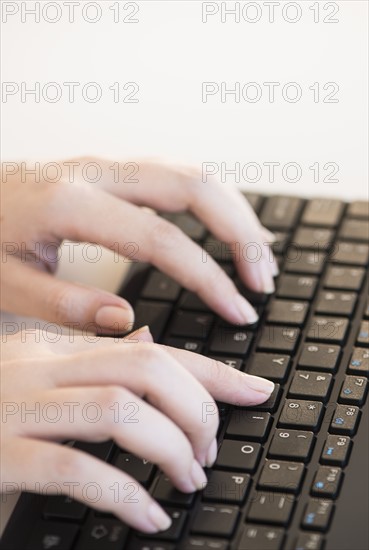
[[313, 385]]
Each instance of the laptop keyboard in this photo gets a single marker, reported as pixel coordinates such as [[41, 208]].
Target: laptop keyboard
[[281, 465]]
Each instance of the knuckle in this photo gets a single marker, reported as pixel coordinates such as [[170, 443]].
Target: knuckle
[[150, 357], [164, 235], [60, 303], [109, 395], [67, 465]]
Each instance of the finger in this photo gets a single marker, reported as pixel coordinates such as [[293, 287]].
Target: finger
[[28, 291], [223, 209], [73, 473], [147, 371], [157, 241], [113, 412], [223, 382], [72, 344]]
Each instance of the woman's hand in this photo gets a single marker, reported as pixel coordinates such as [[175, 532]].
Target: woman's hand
[[154, 401], [37, 217]]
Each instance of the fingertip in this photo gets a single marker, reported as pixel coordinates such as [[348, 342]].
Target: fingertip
[[142, 334], [114, 318]]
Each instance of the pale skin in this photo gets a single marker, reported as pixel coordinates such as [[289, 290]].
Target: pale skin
[[168, 433]]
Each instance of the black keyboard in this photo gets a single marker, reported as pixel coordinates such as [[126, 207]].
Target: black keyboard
[[291, 473]]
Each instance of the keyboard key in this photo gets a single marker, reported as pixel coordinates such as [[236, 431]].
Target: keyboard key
[[327, 482], [350, 253], [273, 366], [287, 312], [167, 494], [344, 278], [316, 238], [312, 385], [336, 450], [271, 508], [282, 476], [319, 357], [256, 537], [139, 469], [230, 341], [204, 544], [233, 362], [363, 335], [101, 534], [101, 451], [345, 420], [161, 287], [238, 455], [191, 325], [191, 226], [359, 362], [45, 533], [154, 314], [220, 251], [64, 508], [179, 518], [323, 212], [227, 487], [280, 244], [292, 445], [358, 209], [336, 303], [354, 230], [277, 338], [246, 424], [353, 390], [136, 544], [190, 300], [271, 404], [318, 514], [301, 414], [309, 541], [216, 520], [255, 200], [305, 262], [196, 346], [300, 287], [328, 329], [281, 212]]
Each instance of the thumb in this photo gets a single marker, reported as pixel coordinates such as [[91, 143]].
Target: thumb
[[27, 291]]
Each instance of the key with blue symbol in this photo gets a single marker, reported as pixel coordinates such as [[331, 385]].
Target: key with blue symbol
[[363, 336], [327, 482], [354, 390], [359, 363], [336, 450], [345, 420], [318, 514]]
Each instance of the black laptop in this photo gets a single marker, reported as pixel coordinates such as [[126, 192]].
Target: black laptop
[[292, 473]]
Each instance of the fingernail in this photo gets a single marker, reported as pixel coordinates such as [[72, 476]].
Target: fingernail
[[158, 517], [114, 317], [267, 282], [198, 475], [247, 313], [275, 268], [259, 384], [212, 453], [269, 235], [142, 334]]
